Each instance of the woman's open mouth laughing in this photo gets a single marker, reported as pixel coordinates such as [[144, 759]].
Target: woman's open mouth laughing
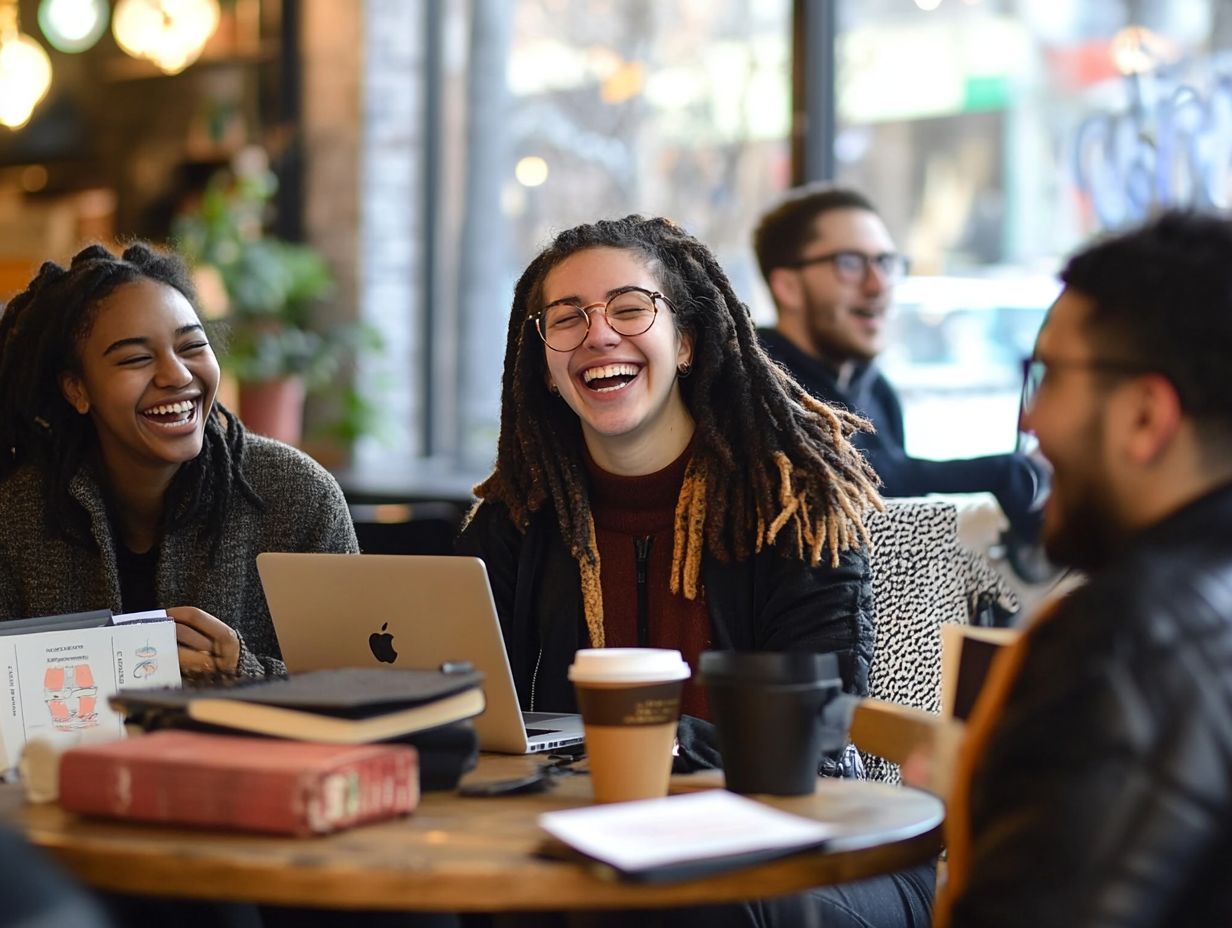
[[174, 417], [608, 378]]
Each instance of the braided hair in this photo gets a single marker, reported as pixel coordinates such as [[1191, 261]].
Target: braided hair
[[770, 463], [41, 330]]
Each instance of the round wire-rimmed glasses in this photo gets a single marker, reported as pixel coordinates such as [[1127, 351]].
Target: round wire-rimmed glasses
[[630, 311]]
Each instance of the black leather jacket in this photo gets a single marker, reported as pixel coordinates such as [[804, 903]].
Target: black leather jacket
[[1105, 797]]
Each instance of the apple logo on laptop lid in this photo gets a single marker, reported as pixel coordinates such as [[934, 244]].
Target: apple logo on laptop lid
[[382, 645]]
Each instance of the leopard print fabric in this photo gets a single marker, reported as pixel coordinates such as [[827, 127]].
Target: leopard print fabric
[[922, 578]]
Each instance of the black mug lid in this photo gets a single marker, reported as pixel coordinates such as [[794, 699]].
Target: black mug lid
[[770, 667]]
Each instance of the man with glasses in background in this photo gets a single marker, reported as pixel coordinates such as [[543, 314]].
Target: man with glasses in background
[[1094, 785], [831, 267]]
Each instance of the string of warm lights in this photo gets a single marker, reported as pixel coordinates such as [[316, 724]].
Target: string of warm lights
[[169, 33]]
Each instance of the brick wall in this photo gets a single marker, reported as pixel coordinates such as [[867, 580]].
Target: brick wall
[[362, 99]]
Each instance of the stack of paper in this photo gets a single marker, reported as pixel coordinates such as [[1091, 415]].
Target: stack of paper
[[683, 837]]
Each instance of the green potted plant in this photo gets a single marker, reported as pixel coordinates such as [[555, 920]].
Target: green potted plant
[[271, 289]]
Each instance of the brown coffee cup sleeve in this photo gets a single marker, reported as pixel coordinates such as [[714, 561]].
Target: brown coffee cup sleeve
[[653, 704]]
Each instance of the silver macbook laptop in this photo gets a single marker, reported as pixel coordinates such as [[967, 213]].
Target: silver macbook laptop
[[365, 610]]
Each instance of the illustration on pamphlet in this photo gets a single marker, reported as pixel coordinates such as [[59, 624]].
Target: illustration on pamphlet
[[147, 662], [56, 684], [71, 696]]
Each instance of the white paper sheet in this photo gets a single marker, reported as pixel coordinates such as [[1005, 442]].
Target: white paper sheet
[[640, 836], [126, 617]]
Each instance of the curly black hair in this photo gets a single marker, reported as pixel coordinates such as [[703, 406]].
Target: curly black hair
[[1161, 298], [767, 459], [41, 330]]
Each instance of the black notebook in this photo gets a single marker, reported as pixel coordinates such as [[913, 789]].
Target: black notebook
[[96, 618], [342, 706]]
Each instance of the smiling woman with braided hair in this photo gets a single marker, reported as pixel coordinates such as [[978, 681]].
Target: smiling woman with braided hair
[[659, 482], [123, 483]]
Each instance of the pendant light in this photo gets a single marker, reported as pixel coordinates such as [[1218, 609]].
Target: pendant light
[[25, 70], [73, 26], [170, 33]]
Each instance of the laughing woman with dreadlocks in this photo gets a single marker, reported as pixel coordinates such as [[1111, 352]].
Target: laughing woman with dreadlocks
[[124, 484], [659, 482]]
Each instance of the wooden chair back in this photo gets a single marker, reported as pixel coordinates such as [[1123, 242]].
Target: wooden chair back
[[923, 743]]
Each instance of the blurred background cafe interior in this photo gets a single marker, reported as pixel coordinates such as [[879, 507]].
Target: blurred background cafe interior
[[360, 182]]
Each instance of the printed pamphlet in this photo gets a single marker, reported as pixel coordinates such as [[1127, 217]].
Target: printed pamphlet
[[55, 684]]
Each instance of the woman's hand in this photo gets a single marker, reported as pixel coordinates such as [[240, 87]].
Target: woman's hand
[[207, 645]]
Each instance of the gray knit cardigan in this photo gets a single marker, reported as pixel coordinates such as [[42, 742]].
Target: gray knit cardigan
[[43, 574]]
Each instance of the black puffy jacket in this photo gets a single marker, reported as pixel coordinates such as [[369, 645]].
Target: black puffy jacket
[[765, 603], [1105, 795]]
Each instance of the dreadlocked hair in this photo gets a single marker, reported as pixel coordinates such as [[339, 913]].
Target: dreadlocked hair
[[771, 465], [41, 330]]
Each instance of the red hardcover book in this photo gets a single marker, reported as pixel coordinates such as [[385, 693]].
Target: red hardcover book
[[233, 782]]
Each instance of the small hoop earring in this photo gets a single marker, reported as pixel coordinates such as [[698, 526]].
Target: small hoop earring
[[684, 369]]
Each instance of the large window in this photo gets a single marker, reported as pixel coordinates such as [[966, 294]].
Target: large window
[[995, 136], [998, 135], [562, 111]]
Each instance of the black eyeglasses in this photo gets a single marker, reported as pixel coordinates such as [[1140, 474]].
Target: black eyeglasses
[[852, 266], [631, 311], [1035, 372]]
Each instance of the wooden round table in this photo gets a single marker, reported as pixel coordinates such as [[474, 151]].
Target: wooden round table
[[460, 854]]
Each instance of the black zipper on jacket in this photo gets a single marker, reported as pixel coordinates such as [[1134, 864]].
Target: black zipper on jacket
[[641, 547]]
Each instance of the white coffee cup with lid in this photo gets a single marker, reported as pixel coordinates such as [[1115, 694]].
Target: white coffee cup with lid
[[630, 704]]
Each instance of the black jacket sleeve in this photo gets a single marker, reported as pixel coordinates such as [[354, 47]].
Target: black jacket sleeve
[[777, 602], [1104, 794], [780, 603], [1019, 483], [491, 535], [537, 593]]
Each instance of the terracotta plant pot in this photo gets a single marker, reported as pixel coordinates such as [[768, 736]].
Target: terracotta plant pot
[[274, 408]]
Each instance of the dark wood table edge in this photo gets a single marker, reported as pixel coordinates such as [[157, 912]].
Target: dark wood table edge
[[316, 880], [296, 888]]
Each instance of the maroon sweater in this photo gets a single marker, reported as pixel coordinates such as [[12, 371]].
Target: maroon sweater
[[628, 511]]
